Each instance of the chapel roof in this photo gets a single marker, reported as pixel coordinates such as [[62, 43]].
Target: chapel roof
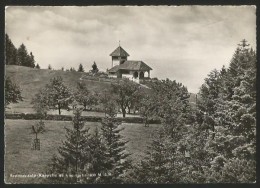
[[131, 65], [114, 69], [119, 52], [135, 65]]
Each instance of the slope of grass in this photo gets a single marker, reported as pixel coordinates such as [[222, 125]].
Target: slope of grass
[[20, 159], [32, 80]]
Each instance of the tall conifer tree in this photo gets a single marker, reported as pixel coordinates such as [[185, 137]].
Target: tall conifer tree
[[10, 52], [73, 156], [118, 162]]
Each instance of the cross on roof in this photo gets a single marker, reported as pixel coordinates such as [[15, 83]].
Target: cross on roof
[[244, 43]]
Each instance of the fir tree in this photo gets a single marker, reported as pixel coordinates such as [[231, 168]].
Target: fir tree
[[32, 61], [157, 166], [18, 56], [239, 111], [118, 162], [97, 165], [233, 149], [94, 68], [209, 92], [10, 52], [243, 59], [23, 56], [37, 66], [73, 156], [80, 69]]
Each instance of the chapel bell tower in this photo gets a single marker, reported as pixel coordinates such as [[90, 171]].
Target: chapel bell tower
[[119, 56]]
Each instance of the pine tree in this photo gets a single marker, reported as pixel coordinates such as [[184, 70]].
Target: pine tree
[[23, 56], [37, 66], [209, 92], [10, 52], [157, 165], [233, 148], [73, 155], [80, 69], [243, 59], [118, 162], [94, 68], [32, 61], [240, 109], [18, 56], [97, 165]]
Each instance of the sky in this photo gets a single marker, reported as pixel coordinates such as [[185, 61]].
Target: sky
[[182, 43]]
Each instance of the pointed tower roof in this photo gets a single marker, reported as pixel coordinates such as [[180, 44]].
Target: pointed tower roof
[[119, 52]]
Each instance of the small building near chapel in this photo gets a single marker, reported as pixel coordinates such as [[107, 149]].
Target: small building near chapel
[[131, 69]]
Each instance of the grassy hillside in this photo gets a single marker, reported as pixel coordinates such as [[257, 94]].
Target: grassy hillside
[[32, 80]]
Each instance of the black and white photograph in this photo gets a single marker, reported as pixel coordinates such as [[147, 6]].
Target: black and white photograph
[[130, 94]]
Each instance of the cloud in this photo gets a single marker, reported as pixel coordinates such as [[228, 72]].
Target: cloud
[[182, 43]]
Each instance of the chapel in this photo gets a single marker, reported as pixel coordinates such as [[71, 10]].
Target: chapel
[[134, 70]]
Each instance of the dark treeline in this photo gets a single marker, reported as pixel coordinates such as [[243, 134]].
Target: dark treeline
[[18, 56], [214, 142]]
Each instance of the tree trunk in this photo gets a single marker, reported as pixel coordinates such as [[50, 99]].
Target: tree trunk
[[129, 110], [77, 155], [147, 122], [213, 134], [123, 112], [59, 109]]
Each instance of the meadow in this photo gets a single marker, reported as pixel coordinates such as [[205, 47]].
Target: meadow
[[20, 159]]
